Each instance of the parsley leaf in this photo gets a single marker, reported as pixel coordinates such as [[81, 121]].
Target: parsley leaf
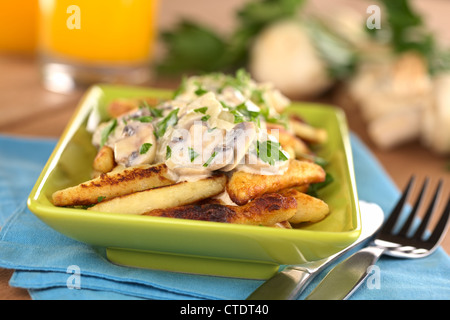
[[192, 47], [168, 152], [192, 154], [170, 120], [201, 110], [200, 91], [145, 119], [316, 159], [244, 110], [206, 164], [145, 147], [315, 187], [238, 117], [155, 112], [107, 131], [270, 151]]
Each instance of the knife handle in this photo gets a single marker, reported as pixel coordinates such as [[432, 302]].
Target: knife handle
[[343, 280], [285, 285]]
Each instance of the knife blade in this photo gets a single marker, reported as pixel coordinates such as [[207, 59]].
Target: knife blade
[[346, 277], [289, 283]]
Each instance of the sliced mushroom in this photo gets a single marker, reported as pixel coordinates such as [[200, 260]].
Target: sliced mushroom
[[255, 164], [220, 157], [182, 163], [137, 145], [240, 139]]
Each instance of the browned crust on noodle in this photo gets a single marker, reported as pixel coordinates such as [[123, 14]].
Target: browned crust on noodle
[[113, 184], [130, 175], [268, 210]]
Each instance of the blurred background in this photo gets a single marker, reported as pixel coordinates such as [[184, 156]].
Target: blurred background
[[386, 63]]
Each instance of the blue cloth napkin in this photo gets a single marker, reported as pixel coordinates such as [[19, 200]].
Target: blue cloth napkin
[[44, 259]]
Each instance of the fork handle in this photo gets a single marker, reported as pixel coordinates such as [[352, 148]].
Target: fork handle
[[345, 278], [285, 285]]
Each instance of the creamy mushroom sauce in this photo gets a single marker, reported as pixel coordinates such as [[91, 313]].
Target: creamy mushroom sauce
[[214, 123]]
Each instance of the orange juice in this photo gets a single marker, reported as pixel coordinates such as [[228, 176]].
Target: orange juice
[[110, 32], [18, 26]]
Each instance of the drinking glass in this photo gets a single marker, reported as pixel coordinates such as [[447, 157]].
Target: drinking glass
[[18, 27], [94, 41]]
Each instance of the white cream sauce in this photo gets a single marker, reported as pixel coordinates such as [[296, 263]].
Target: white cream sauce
[[198, 133]]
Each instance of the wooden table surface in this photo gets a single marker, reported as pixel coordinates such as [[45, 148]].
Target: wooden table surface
[[29, 110]]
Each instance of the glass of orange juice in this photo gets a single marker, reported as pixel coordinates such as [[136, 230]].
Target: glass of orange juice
[[18, 26], [89, 41]]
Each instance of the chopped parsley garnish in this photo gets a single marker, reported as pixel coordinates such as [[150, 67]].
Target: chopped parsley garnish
[[316, 159], [200, 91], [282, 119], [238, 117], [145, 119], [250, 114], [144, 104], [270, 152], [315, 187], [144, 148], [155, 112], [214, 154], [101, 198], [170, 120], [242, 113], [192, 154], [258, 98], [239, 82], [107, 131], [224, 105], [205, 118], [168, 152], [201, 110]]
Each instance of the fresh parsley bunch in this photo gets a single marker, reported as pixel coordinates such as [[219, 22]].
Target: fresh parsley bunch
[[404, 29], [195, 48]]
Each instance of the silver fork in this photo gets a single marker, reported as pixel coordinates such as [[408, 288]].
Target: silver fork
[[346, 277]]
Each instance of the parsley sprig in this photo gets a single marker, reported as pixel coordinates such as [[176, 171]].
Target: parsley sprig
[[170, 120], [110, 127], [270, 152], [211, 158], [145, 147], [192, 154], [406, 31], [197, 48]]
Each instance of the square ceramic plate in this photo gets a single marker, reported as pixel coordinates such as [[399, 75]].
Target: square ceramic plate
[[201, 247]]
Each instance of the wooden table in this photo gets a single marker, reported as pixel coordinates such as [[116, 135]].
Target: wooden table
[[29, 110]]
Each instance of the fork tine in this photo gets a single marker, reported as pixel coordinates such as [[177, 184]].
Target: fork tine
[[407, 225], [419, 233], [395, 213], [441, 226]]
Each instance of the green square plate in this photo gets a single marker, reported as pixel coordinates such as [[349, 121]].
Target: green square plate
[[201, 247]]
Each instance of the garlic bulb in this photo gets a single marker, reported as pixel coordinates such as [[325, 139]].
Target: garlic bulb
[[392, 94], [285, 55]]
